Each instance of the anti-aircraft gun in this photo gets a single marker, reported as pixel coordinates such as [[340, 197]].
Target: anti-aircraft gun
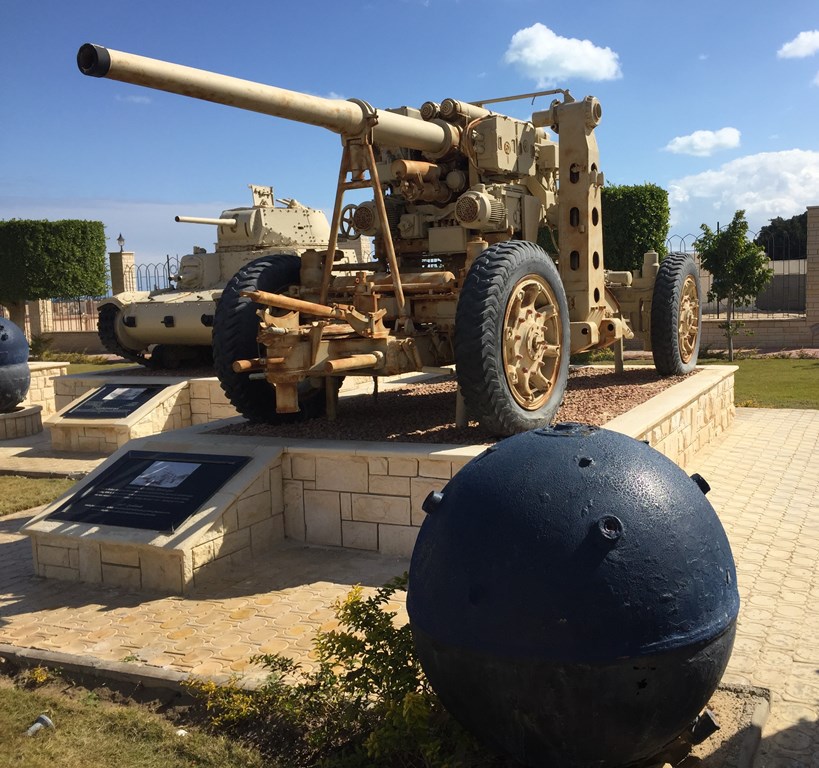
[[459, 195], [172, 327]]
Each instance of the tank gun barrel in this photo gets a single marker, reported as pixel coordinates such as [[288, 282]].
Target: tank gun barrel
[[337, 115], [203, 220]]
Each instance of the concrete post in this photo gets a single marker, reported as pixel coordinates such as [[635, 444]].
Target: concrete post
[[812, 269], [40, 317], [123, 271]]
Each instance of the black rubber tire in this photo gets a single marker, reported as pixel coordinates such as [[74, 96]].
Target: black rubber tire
[[479, 336], [676, 326], [107, 319], [235, 327]]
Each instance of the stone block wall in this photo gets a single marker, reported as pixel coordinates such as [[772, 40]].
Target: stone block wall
[[686, 417], [370, 497], [209, 402], [22, 422], [42, 390], [762, 333], [368, 500], [246, 531]]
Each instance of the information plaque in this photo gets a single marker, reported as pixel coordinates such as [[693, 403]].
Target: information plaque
[[113, 401], [150, 490]]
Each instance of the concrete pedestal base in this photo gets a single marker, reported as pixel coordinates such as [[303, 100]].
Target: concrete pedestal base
[[21, 422]]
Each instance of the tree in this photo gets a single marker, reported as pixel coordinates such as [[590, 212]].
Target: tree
[[635, 220], [739, 269], [785, 238], [50, 260]]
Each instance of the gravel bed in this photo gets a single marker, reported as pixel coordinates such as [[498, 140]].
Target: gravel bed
[[425, 412]]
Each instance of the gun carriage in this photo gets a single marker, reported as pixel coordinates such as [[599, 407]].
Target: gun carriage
[[459, 194]]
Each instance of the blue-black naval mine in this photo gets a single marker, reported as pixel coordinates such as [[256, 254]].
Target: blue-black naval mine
[[573, 598], [15, 377]]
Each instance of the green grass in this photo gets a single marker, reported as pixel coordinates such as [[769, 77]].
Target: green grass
[[18, 493], [93, 732], [775, 382], [760, 382]]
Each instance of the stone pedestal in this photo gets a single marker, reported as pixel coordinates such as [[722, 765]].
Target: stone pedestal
[[167, 410], [21, 422]]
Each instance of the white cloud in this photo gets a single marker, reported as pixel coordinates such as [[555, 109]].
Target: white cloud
[[764, 185], [816, 80], [133, 99], [804, 44], [703, 57], [704, 143], [550, 59]]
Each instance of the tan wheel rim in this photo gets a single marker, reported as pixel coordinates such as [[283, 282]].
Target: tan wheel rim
[[531, 342], [688, 328]]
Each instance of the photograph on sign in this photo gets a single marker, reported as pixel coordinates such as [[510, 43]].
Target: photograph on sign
[[166, 474], [124, 393]]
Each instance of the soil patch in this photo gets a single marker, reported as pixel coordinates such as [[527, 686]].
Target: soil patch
[[741, 710], [425, 412]]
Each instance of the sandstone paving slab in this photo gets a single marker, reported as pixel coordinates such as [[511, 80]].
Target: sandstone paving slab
[[278, 609], [764, 475]]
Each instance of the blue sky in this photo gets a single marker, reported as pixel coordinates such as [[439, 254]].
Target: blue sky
[[717, 102]]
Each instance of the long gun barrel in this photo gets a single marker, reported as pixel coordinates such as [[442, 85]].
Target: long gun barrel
[[343, 117], [201, 220]]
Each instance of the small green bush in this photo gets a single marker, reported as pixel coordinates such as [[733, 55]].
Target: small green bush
[[39, 346], [75, 358], [593, 356], [368, 704]]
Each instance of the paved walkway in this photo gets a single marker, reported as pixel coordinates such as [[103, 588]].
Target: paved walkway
[[33, 456], [765, 478], [764, 475]]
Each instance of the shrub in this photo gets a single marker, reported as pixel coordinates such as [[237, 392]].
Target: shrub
[[51, 259], [367, 704], [635, 220]]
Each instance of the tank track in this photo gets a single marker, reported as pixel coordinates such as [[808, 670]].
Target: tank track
[[106, 329]]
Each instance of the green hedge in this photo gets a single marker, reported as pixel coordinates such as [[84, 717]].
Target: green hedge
[[635, 220], [51, 259]]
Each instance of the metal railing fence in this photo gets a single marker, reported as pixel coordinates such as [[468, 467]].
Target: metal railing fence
[[784, 297]]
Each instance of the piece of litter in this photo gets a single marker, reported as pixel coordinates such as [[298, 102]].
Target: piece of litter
[[43, 721]]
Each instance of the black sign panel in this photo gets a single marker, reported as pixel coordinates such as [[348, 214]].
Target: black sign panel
[[150, 490], [113, 401]]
